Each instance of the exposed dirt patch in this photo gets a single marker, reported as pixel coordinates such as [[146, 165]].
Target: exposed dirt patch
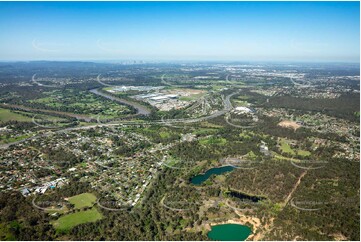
[[289, 124]]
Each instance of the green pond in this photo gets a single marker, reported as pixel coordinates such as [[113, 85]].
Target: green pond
[[199, 179], [229, 232]]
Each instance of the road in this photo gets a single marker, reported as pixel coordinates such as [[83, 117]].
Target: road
[[141, 110], [301, 85], [40, 84], [227, 108], [294, 188]]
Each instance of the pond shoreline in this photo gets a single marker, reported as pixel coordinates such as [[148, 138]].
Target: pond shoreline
[[230, 222], [202, 177]]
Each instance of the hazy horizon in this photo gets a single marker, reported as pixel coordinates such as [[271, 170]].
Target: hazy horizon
[[180, 31]]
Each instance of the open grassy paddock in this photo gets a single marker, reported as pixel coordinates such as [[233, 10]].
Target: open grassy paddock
[[83, 200], [66, 222], [8, 115]]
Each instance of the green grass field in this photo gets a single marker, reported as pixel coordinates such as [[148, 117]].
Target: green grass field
[[191, 97], [213, 140], [23, 116], [7, 115], [303, 153], [6, 233], [203, 131], [67, 222], [286, 148], [4, 139], [280, 157], [241, 103], [83, 200], [40, 117], [82, 103], [164, 134]]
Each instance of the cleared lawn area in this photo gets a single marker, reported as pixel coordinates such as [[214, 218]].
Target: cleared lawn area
[[210, 125], [213, 140], [83, 200], [241, 103], [202, 131], [164, 135], [7, 115], [66, 222], [280, 157], [4, 140], [286, 148], [303, 153], [191, 97]]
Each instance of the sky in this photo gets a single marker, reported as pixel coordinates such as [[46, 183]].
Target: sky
[[230, 31]]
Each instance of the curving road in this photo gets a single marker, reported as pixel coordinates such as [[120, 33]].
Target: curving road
[[227, 108], [301, 85], [141, 110], [42, 85]]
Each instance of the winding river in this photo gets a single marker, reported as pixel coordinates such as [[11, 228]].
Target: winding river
[[141, 110]]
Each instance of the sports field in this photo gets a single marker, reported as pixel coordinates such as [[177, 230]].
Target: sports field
[[83, 200], [66, 222], [213, 140]]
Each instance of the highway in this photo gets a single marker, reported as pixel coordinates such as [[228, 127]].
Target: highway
[[301, 85], [141, 110], [227, 108], [42, 85]]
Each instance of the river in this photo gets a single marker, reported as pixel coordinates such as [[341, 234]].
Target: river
[[141, 110]]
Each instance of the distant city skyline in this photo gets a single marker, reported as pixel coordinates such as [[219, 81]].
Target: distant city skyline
[[200, 31]]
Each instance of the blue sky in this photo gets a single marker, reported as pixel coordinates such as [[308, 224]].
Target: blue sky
[[245, 31]]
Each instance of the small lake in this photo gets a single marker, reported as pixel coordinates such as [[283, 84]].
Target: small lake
[[229, 232], [199, 179]]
